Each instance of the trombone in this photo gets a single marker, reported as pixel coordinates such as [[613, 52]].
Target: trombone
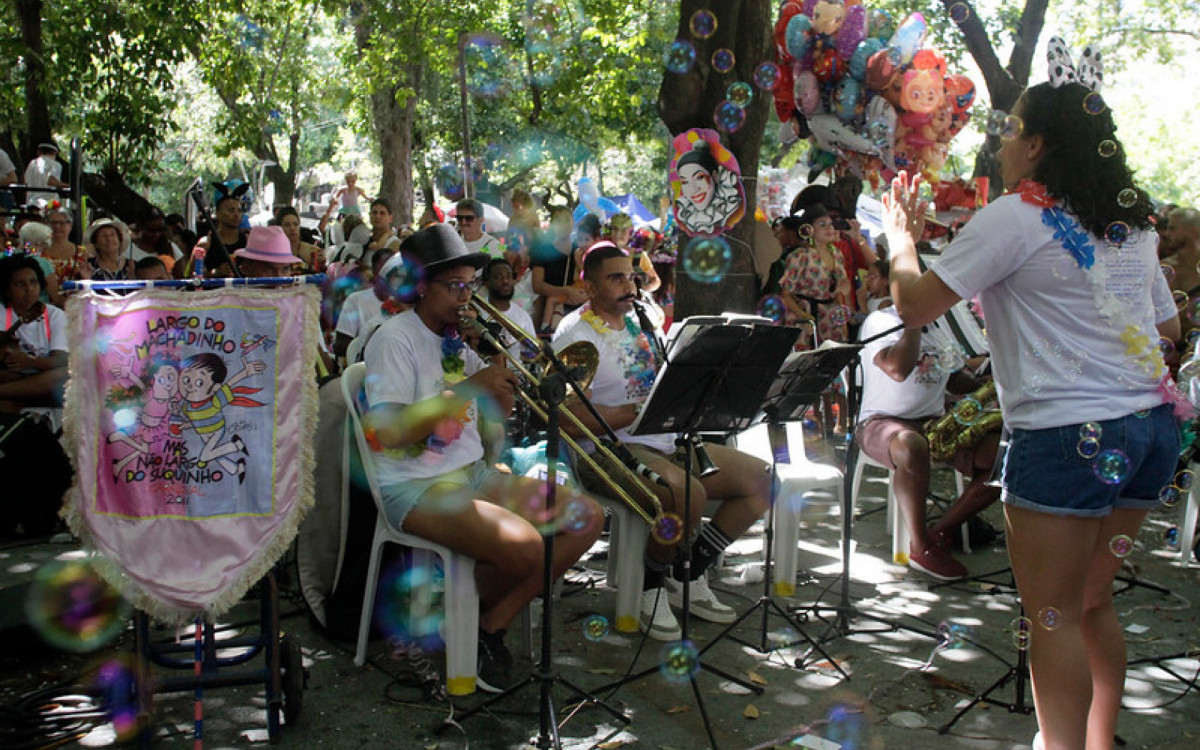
[[579, 353]]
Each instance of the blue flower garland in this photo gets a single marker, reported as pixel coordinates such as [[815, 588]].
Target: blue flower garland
[[1067, 231]]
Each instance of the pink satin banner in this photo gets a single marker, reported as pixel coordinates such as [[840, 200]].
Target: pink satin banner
[[188, 416]]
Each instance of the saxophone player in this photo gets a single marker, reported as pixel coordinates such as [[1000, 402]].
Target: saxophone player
[[903, 387]]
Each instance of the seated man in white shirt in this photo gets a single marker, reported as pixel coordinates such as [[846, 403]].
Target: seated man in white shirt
[[364, 307], [500, 285], [626, 372], [426, 391], [902, 389]]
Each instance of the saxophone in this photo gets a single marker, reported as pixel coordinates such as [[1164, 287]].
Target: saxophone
[[964, 425]]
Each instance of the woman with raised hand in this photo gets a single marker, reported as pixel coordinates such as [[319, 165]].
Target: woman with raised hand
[[1065, 271]]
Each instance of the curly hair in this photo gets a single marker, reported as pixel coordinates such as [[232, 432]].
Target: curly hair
[[1075, 168], [9, 267]]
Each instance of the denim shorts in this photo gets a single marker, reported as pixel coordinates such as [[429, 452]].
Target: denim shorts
[[1045, 471], [400, 499]]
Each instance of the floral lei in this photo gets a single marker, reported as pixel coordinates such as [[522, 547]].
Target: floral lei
[[1142, 349], [643, 370], [453, 366]]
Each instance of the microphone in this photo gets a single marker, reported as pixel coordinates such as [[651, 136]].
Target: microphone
[[619, 450], [648, 327]]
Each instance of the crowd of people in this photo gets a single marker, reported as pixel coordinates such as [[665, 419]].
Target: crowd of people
[[399, 296]]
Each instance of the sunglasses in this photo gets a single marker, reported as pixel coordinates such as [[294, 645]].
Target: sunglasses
[[466, 219]]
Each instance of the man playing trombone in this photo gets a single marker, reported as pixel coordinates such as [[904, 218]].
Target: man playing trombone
[[628, 366], [426, 391]]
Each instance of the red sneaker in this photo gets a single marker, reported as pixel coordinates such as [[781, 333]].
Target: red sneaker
[[938, 563]]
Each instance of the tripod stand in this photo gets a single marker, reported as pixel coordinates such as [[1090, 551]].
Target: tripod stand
[[1018, 674], [553, 390], [844, 612], [696, 392]]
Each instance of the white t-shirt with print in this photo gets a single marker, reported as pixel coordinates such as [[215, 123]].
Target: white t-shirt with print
[[37, 339], [1057, 360], [359, 311], [486, 244], [625, 373], [919, 396], [404, 366]]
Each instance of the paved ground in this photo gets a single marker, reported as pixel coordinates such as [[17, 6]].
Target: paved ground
[[902, 686]]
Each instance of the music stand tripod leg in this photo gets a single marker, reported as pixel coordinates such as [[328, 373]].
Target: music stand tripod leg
[[553, 390]]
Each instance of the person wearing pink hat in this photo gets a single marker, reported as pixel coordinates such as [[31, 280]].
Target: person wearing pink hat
[[268, 253]]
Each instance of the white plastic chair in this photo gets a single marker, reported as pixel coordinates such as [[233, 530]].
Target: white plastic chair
[[627, 538], [461, 595], [796, 476], [896, 524]]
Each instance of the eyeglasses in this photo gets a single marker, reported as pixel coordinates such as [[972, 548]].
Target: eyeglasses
[[457, 287], [466, 219]]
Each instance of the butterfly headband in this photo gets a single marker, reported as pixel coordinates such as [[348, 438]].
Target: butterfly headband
[[1090, 71]]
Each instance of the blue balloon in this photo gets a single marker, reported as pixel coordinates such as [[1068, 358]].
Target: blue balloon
[[862, 53], [909, 37], [847, 95], [798, 35]]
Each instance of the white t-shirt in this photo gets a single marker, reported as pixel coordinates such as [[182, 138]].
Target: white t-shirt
[[626, 371], [358, 312], [37, 339], [38, 174], [138, 253], [1057, 360], [6, 165], [404, 366], [517, 315], [486, 244], [919, 396]]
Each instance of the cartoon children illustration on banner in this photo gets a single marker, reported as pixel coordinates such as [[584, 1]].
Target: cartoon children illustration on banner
[[186, 431]]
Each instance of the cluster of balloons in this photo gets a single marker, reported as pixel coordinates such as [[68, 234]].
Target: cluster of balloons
[[863, 89]]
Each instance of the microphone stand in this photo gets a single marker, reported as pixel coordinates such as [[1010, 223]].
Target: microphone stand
[[552, 390]]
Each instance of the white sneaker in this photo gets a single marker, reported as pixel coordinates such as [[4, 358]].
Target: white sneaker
[[704, 603], [657, 620]]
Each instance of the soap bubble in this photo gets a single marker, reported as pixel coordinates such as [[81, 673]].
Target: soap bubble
[[576, 516], [679, 661], [1049, 618], [739, 94], [1088, 448], [1011, 128], [1193, 314], [1127, 198], [595, 628], [681, 56], [952, 635], [1107, 148], [1168, 271], [723, 60], [405, 608], [489, 67], [1181, 299], [772, 307], [404, 274], [667, 529], [960, 12], [729, 117], [968, 411], [1166, 346], [1111, 466], [116, 684], [1020, 629], [838, 315], [1117, 232], [73, 609], [766, 76], [1184, 478], [1120, 545], [707, 259], [1093, 103], [1170, 496], [1090, 430], [703, 24]]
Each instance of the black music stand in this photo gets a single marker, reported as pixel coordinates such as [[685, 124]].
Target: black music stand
[[845, 611], [798, 385], [715, 381]]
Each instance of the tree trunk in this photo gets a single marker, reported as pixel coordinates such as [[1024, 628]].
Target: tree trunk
[[1004, 83], [687, 101], [393, 124], [108, 191], [37, 111]]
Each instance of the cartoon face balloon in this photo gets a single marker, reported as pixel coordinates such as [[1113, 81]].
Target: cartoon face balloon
[[827, 16], [706, 183], [922, 91]]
